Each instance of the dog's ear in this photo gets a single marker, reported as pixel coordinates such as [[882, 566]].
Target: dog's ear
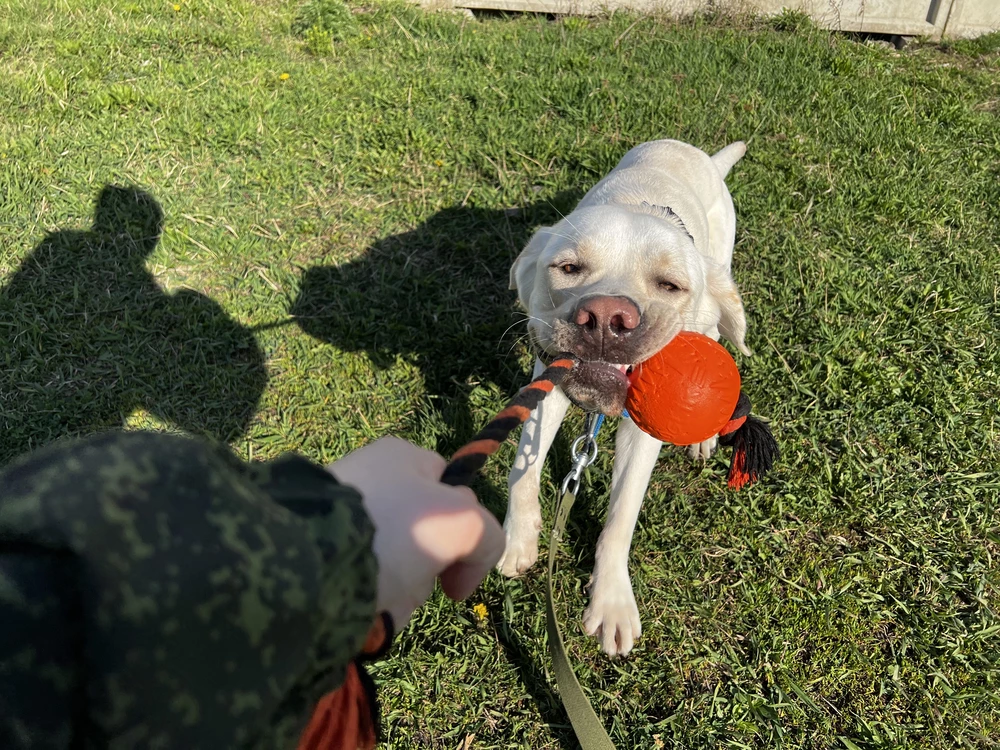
[[522, 272], [513, 270], [733, 319]]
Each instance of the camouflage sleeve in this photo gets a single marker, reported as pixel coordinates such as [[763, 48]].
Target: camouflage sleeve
[[156, 591]]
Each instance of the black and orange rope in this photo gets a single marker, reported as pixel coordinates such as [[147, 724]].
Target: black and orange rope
[[471, 457], [754, 447]]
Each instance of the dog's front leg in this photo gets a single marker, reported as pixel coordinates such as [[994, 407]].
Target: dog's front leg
[[524, 515], [612, 615]]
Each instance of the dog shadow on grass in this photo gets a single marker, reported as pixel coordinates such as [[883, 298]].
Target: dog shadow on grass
[[89, 337], [438, 296]]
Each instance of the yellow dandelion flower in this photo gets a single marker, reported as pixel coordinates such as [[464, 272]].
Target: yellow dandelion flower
[[177, 7], [439, 163], [480, 611], [284, 77]]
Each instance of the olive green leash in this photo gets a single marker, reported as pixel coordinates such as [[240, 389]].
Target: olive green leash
[[589, 731]]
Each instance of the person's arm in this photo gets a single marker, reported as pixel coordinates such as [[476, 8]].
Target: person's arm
[[152, 593]]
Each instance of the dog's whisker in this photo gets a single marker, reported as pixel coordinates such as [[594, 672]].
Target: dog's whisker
[[515, 323], [544, 323], [564, 217], [526, 317], [517, 341], [558, 234]]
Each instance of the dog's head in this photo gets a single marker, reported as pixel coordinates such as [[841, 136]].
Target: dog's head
[[613, 286]]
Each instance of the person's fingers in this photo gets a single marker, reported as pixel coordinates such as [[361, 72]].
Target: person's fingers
[[462, 497], [390, 455], [423, 527], [463, 577], [429, 464], [460, 580], [444, 499], [447, 536]]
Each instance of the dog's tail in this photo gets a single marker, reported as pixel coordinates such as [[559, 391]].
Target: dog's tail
[[727, 157]]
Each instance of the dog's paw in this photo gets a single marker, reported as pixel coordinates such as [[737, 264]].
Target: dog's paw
[[612, 615], [521, 549], [704, 450]]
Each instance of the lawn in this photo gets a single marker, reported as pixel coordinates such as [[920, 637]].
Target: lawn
[[305, 246]]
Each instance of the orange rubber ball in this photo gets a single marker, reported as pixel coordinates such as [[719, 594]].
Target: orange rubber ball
[[685, 393]]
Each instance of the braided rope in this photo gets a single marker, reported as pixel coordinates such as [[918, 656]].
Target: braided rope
[[471, 457]]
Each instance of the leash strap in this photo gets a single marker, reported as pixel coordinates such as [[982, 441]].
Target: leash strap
[[589, 731], [588, 728], [462, 470]]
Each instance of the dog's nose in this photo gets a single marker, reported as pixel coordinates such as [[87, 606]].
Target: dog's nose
[[603, 315]]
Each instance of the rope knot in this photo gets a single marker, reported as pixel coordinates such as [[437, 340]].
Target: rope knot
[[754, 447]]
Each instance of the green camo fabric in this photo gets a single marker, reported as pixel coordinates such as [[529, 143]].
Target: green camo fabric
[[158, 592]]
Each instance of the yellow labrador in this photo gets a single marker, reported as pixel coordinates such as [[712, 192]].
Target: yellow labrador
[[647, 253]]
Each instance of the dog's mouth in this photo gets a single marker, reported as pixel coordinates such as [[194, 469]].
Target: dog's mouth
[[598, 386], [619, 371]]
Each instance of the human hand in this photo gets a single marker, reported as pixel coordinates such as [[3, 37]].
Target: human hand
[[423, 529]]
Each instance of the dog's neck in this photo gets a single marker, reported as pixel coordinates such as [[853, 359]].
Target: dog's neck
[[663, 212]]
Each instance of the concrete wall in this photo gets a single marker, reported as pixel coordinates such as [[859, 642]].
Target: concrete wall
[[935, 19]]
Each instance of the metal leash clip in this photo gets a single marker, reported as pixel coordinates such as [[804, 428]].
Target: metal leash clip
[[583, 452]]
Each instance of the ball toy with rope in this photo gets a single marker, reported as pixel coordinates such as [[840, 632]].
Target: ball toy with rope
[[685, 392], [688, 392]]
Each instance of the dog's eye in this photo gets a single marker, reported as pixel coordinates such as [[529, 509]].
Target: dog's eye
[[569, 268], [667, 286]]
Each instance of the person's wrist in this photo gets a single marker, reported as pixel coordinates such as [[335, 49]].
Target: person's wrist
[[388, 597], [399, 606]]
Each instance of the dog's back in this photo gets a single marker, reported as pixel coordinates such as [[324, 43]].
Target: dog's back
[[683, 178]]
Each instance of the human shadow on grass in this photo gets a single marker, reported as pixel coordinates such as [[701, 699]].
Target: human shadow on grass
[[89, 337]]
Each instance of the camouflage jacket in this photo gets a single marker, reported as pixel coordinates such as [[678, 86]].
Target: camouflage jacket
[[158, 592]]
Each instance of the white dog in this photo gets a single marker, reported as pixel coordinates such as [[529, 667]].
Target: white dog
[[647, 253]]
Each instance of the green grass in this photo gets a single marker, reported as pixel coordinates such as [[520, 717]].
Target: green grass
[[847, 602]]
